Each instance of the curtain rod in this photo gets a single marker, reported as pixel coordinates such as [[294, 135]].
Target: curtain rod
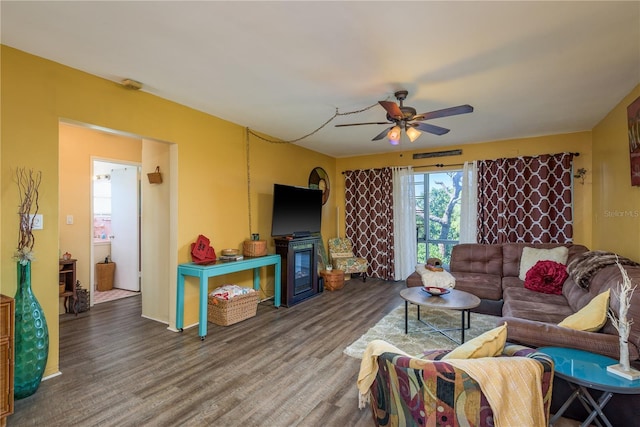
[[442, 165], [438, 165]]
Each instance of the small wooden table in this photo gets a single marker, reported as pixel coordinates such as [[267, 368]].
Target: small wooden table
[[67, 276], [585, 370], [454, 300]]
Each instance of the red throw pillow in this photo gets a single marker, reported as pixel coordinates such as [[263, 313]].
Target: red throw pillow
[[546, 277]]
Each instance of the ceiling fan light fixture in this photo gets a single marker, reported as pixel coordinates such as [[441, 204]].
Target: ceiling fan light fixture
[[403, 117], [413, 133], [394, 135]]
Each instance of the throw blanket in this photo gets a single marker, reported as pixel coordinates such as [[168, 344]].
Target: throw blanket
[[440, 279], [585, 266], [498, 377], [369, 367]]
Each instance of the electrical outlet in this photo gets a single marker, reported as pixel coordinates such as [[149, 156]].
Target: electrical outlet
[[37, 222], [69, 219]]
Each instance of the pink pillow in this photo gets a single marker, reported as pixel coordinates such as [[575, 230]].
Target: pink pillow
[[546, 277]]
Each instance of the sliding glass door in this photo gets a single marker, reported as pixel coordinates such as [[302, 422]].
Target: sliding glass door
[[438, 197]]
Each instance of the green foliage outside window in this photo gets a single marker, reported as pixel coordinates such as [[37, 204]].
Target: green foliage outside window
[[440, 216]]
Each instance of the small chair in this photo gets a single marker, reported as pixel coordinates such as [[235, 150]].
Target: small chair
[[342, 257]]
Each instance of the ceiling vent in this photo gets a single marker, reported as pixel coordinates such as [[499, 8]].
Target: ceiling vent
[[437, 154]]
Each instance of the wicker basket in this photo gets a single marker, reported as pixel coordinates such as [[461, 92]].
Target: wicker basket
[[333, 280], [254, 248], [104, 276], [227, 312]]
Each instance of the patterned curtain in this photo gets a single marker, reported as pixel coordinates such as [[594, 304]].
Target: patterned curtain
[[525, 199], [369, 218]]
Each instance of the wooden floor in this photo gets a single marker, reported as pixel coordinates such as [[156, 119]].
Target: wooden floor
[[284, 367]]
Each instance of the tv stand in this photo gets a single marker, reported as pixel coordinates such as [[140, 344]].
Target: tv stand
[[299, 279]]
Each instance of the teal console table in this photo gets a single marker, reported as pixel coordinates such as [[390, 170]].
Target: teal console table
[[220, 268]]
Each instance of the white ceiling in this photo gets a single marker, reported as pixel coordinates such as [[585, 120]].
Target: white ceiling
[[283, 68]]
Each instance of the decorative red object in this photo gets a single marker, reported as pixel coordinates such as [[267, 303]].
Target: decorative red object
[[202, 252], [546, 277]]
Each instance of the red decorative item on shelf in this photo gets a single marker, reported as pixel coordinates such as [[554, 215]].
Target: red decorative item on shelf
[[202, 252]]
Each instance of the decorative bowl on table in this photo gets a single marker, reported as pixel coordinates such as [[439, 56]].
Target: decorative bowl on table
[[435, 291], [230, 252]]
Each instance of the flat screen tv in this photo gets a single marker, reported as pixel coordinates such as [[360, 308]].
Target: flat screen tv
[[297, 211]]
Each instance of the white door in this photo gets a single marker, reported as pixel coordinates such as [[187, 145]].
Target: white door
[[124, 227]]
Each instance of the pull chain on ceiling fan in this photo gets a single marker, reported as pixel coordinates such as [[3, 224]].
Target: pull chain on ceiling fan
[[405, 118]]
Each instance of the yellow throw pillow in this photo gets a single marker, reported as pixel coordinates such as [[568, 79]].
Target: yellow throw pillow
[[489, 344], [591, 317]]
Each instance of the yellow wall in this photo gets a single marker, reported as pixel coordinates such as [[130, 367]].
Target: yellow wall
[[575, 142], [212, 170], [211, 167], [616, 204], [77, 147]]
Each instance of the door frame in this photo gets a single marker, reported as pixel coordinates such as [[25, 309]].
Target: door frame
[[124, 163], [158, 304]]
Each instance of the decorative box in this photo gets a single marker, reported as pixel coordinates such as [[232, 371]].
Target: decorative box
[[227, 312]]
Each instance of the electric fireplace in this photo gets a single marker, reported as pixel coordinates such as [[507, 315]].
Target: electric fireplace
[[299, 279]]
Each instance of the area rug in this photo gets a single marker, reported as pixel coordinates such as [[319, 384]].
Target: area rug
[[113, 294], [420, 337]]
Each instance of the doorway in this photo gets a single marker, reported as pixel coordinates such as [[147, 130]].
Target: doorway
[[115, 230], [79, 145]]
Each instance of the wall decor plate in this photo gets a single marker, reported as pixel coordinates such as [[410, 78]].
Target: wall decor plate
[[318, 179]]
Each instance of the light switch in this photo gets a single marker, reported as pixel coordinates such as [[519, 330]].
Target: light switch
[[69, 219], [37, 221]]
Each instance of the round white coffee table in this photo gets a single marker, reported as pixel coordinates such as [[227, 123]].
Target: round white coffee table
[[454, 300]]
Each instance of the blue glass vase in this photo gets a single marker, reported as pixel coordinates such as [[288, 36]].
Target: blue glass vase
[[31, 337]]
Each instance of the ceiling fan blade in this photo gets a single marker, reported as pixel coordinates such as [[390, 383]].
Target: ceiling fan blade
[[382, 134], [426, 127], [451, 111], [392, 109], [359, 124]]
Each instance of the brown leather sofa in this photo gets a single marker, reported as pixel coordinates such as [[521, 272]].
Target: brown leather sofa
[[491, 273]]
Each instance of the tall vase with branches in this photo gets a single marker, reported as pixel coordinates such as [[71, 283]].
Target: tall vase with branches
[[622, 323], [31, 331]]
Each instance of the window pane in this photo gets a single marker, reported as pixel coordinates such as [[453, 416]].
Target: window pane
[[437, 214], [422, 253], [441, 251]]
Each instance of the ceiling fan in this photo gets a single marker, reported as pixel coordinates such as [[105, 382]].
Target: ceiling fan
[[402, 117]]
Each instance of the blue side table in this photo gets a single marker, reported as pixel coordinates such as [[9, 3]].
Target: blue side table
[[583, 370]]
